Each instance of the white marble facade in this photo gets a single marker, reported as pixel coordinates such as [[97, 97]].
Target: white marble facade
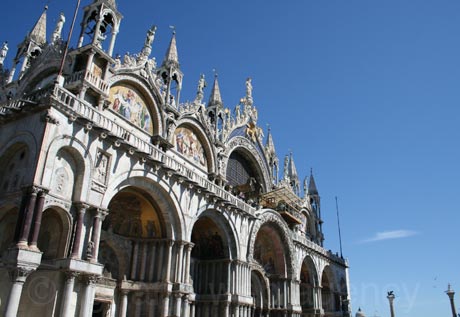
[[117, 199]]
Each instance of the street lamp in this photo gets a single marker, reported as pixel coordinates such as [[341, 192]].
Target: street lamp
[[391, 298], [450, 292]]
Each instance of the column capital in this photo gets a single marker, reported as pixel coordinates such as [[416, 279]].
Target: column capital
[[70, 275], [80, 205], [89, 279], [101, 213], [19, 274]]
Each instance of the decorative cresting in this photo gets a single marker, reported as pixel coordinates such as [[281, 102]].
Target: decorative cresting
[[148, 95], [270, 217], [241, 142]]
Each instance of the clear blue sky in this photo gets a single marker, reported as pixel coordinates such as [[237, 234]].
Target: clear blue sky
[[365, 92]]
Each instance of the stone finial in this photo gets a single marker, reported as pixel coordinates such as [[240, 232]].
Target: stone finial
[[57, 34], [3, 52]]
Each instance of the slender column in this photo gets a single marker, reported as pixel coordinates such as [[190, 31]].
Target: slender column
[[152, 261], [179, 262], [188, 249], [169, 245], [450, 292], [123, 303], [226, 309], [192, 310], [159, 260], [38, 218], [18, 277], [143, 261], [86, 306], [178, 302], [77, 245], [134, 259], [97, 223], [185, 307], [165, 310], [391, 298], [112, 42], [67, 295], [28, 215]]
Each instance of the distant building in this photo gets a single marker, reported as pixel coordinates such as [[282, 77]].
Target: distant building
[[118, 199]]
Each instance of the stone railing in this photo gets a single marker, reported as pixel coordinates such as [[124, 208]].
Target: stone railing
[[94, 80], [19, 104], [311, 245], [83, 110]]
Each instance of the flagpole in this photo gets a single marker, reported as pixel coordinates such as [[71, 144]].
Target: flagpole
[[338, 225], [59, 78]]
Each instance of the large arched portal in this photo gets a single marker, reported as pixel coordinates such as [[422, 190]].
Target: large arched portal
[[308, 283], [211, 267], [269, 252], [135, 253]]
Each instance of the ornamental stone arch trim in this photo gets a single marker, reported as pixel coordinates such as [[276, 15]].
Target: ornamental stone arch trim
[[196, 127], [24, 137], [82, 157], [271, 217], [161, 194], [312, 264], [331, 275], [225, 225], [67, 225], [244, 145], [149, 92]]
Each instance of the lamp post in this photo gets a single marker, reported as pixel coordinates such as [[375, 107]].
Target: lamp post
[[450, 292], [391, 298]]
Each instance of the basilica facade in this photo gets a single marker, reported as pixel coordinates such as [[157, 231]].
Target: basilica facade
[[118, 199]]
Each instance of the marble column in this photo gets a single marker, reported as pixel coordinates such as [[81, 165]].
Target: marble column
[[18, 278], [38, 218], [112, 42], [178, 302], [27, 215], [165, 308], [77, 245], [189, 248], [67, 294], [179, 262], [185, 306], [97, 224], [86, 305], [123, 303], [169, 245]]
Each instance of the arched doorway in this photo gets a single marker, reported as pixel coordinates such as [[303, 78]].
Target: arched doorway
[[134, 252], [211, 267], [269, 253], [308, 282]]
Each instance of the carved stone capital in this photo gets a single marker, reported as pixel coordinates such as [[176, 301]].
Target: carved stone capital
[[19, 274]]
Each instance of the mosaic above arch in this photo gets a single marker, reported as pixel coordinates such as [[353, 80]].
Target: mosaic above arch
[[129, 103], [186, 142]]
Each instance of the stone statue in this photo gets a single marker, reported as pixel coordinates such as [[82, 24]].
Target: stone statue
[[89, 250], [200, 89], [249, 88], [58, 30], [3, 52], [286, 163], [238, 113], [150, 36]]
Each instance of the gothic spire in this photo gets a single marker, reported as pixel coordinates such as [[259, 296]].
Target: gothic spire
[[312, 190], [292, 169], [38, 33], [270, 145], [171, 57], [215, 98]]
